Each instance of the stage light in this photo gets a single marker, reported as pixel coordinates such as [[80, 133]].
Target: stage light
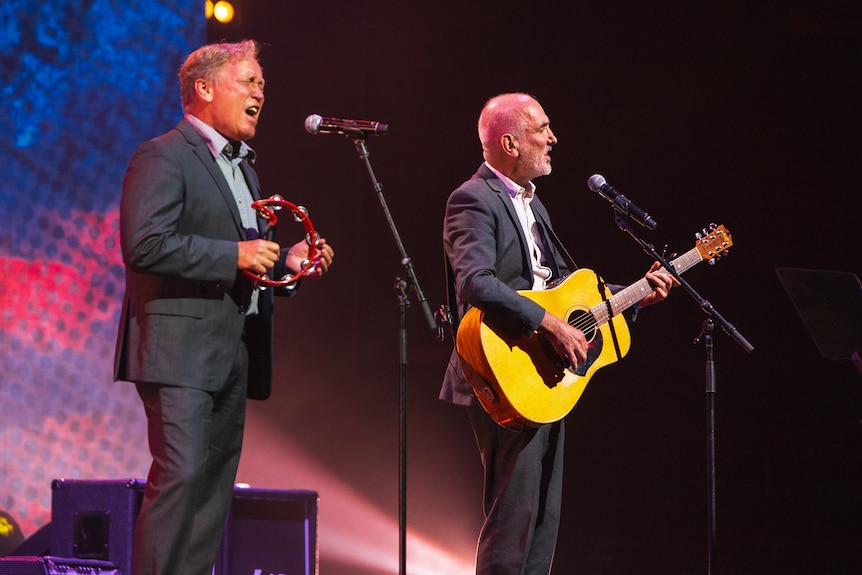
[[354, 531], [223, 11]]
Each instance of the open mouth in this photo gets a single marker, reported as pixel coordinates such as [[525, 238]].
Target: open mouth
[[253, 111]]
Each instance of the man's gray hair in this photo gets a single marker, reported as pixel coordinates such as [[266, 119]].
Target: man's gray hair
[[207, 61]]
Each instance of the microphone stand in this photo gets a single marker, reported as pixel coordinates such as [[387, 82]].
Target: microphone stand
[[403, 287], [713, 317]]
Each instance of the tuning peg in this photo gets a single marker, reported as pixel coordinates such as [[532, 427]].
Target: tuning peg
[[711, 261], [706, 231]]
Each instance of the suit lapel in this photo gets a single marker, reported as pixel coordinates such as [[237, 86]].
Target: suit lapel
[[503, 195], [203, 153], [254, 188], [558, 258]]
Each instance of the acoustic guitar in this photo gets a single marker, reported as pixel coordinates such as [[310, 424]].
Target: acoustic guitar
[[523, 381]]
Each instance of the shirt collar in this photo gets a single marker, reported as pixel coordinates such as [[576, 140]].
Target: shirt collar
[[215, 141], [512, 187]]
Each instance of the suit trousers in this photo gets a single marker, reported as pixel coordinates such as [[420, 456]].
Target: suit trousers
[[195, 438], [522, 495]]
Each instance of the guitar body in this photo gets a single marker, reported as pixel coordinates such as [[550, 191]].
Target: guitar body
[[523, 382]]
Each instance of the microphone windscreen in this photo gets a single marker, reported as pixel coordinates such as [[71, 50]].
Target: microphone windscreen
[[312, 124], [595, 182]]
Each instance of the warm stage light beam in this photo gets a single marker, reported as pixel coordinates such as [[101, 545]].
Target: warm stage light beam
[[352, 531], [223, 11]]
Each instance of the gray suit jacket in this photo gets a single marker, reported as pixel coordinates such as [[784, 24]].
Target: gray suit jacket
[[183, 311], [487, 251]]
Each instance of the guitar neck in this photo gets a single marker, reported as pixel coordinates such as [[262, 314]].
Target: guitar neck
[[627, 297]]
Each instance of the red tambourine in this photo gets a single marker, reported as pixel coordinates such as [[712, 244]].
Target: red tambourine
[[267, 208]]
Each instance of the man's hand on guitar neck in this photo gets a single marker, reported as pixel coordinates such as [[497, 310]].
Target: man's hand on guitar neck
[[661, 283], [569, 342]]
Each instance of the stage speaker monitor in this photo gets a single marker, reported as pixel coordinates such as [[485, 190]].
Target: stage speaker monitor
[[270, 531], [95, 519], [55, 566]]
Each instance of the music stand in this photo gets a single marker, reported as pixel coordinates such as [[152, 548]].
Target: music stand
[[830, 305]]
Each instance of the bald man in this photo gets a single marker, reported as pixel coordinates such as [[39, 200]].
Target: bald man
[[497, 241]]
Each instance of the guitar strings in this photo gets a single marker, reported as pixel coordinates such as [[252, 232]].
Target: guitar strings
[[585, 323]]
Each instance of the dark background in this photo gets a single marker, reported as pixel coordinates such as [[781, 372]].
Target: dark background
[[739, 113]]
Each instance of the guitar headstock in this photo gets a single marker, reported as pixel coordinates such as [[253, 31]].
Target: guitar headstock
[[713, 242]]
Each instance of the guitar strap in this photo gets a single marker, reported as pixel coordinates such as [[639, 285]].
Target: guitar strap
[[602, 286], [450, 316], [567, 258]]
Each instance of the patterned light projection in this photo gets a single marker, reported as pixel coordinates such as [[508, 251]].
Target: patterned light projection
[[83, 82]]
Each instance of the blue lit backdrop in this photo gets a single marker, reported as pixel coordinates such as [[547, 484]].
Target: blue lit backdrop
[[84, 83]]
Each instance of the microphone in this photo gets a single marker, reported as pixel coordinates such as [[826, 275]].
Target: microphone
[[598, 184], [315, 124]]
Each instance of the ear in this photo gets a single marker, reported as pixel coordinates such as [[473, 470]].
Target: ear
[[204, 90], [509, 143]]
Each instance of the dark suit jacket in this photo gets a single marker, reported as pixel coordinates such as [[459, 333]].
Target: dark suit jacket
[[487, 250], [183, 312]]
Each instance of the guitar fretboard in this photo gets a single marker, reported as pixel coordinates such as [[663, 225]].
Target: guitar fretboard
[[627, 297]]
